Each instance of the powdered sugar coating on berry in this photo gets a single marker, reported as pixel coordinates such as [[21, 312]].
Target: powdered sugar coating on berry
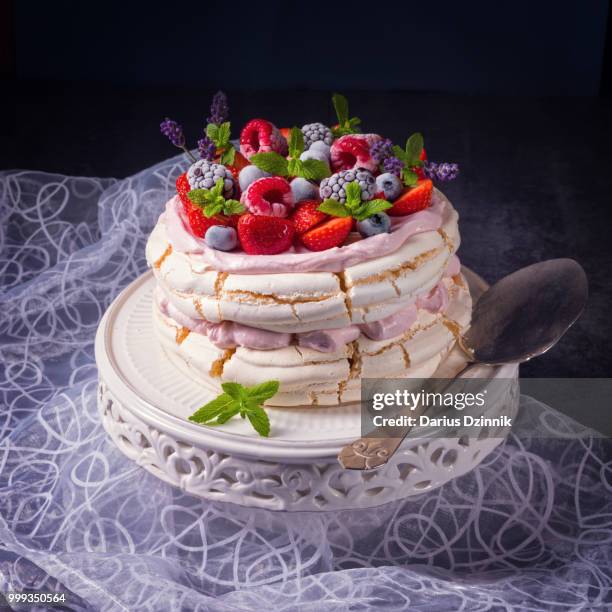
[[314, 132], [333, 187], [353, 151], [204, 175], [261, 136], [270, 196]]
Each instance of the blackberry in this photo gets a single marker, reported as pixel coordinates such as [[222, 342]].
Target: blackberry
[[333, 187], [314, 132], [204, 175]]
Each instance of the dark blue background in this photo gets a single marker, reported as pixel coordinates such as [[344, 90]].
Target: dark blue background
[[519, 48]]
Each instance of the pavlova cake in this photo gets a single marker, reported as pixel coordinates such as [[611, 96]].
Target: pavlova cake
[[310, 256]]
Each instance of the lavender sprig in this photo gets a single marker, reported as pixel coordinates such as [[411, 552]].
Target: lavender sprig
[[207, 148], [219, 109], [393, 165], [441, 172], [381, 150], [174, 132]]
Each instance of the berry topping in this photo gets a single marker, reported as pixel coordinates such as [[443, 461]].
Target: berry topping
[[239, 162], [270, 195], [303, 190], [327, 235], [314, 155], [221, 238], [316, 132], [353, 151], [306, 216], [413, 199], [390, 185], [204, 175], [261, 136], [198, 221], [250, 174], [320, 147], [334, 186], [379, 223], [264, 235]]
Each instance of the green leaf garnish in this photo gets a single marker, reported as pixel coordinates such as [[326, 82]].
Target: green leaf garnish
[[238, 399], [346, 124], [212, 202], [314, 170], [220, 135], [411, 158], [354, 207], [296, 142], [271, 162]]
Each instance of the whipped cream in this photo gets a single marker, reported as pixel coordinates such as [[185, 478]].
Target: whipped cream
[[300, 259]]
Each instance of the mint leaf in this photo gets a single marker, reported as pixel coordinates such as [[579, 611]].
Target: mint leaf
[[217, 190], [260, 421], [227, 414], [353, 194], [341, 107], [213, 409], [234, 389], [400, 153], [295, 167], [414, 147], [315, 170], [410, 178], [212, 131], [210, 210], [371, 208], [296, 142], [260, 393], [199, 196], [233, 207], [271, 162], [228, 155], [224, 134], [334, 208]]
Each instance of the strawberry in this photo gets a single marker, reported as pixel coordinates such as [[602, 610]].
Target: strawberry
[[306, 216], [285, 132], [327, 235], [261, 136], [412, 199], [264, 235], [420, 172], [198, 221]]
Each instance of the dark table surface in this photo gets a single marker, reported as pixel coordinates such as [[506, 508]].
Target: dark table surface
[[536, 174]]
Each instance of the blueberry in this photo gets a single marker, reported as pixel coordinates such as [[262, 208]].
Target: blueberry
[[379, 223], [303, 190], [250, 174], [320, 147], [310, 154], [221, 237], [390, 184]]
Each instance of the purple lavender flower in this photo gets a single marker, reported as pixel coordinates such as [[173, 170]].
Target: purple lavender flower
[[393, 165], [441, 172], [381, 150], [207, 148], [173, 131], [219, 109]]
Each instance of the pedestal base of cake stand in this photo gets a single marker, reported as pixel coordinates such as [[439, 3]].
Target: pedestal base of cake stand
[[144, 402]]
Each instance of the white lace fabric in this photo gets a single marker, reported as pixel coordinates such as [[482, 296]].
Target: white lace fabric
[[531, 528]]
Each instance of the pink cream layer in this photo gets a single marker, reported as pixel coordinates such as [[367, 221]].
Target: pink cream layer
[[300, 259]]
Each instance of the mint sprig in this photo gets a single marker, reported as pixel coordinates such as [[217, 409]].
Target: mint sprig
[[220, 135], [346, 124], [237, 399], [411, 158], [353, 207], [212, 202], [310, 169]]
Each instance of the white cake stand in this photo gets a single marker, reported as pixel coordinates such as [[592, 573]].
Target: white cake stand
[[144, 402]]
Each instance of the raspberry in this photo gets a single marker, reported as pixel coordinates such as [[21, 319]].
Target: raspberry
[[270, 195], [261, 136], [333, 187], [353, 151], [204, 175], [313, 132]]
